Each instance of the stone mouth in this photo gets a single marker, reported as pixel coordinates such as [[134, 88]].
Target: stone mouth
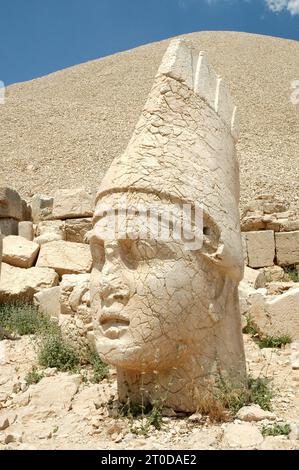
[[113, 320], [113, 326]]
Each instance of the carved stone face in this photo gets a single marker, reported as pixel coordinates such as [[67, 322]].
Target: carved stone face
[[151, 300]]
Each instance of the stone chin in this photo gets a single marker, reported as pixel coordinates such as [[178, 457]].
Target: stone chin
[[125, 353]]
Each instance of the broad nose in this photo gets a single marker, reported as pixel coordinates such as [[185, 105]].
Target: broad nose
[[113, 284]]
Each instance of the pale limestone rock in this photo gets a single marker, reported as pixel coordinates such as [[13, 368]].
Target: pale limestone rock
[[21, 284], [48, 301], [13, 437], [41, 207], [242, 436], [8, 226], [254, 413], [52, 396], [19, 252], [277, 315], [4, 422], [11, 205], [65, 257], [26, 230], [50, 231], [77, 229], [7, 418], [276, 288], [294, 434], [166, 312], [278, 443], [260, 248], [251, 276], [93, 397], [73, 203], [76, 320], [287, 248], [270, 274], [73, 288], [204, 439], [246, 291], [265, 204]]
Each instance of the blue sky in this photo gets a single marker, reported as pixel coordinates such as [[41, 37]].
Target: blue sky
[[38, 37]]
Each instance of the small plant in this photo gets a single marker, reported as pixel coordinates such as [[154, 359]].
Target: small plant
[[260, 392], [33, 377], [155, 415], [23, 319], [226, 400], [293, 273], [274, 342], [54, 351], [276, 430], [250, 328], [100, 369], [142, 416], [266, 341]]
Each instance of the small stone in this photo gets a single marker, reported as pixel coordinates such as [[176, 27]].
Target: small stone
[[13, 437], [254, 413], [240, 436], [4, 423], [195, 418]]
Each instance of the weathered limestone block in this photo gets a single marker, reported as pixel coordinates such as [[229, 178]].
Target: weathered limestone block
[[52, 396], [41, 208], [73, 203], [65, 257], [19, 252], [76, 229], [244, 248], [260, 248], [73, 289], [75, 319], [50, 231], [9, 227], [270, 274], [18, 284], [245, 292], [277, 288], [287, 248], [251, 276], [277, 315], [48, 301], [265, 204], [26, 230], [165, 309], [253, 413], [242, 436], [11, 205]]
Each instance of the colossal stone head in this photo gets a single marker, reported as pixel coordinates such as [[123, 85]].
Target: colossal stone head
[[164, 299]]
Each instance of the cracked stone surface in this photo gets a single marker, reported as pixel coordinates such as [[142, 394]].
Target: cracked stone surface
[[167, 315]]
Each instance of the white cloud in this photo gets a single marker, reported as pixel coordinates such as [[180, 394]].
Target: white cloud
[[278, 5], [292, 6]]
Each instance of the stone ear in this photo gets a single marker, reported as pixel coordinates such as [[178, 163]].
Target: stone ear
[[211, 236]]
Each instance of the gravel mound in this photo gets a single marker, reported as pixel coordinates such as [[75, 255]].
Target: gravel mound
[[64, 129]]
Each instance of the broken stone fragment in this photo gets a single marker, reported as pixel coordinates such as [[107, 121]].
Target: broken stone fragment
[[65, 257], [19, 252]]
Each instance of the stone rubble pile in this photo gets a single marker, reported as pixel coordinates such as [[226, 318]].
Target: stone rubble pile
[[268, 295], [270, 233], [46, 259]]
